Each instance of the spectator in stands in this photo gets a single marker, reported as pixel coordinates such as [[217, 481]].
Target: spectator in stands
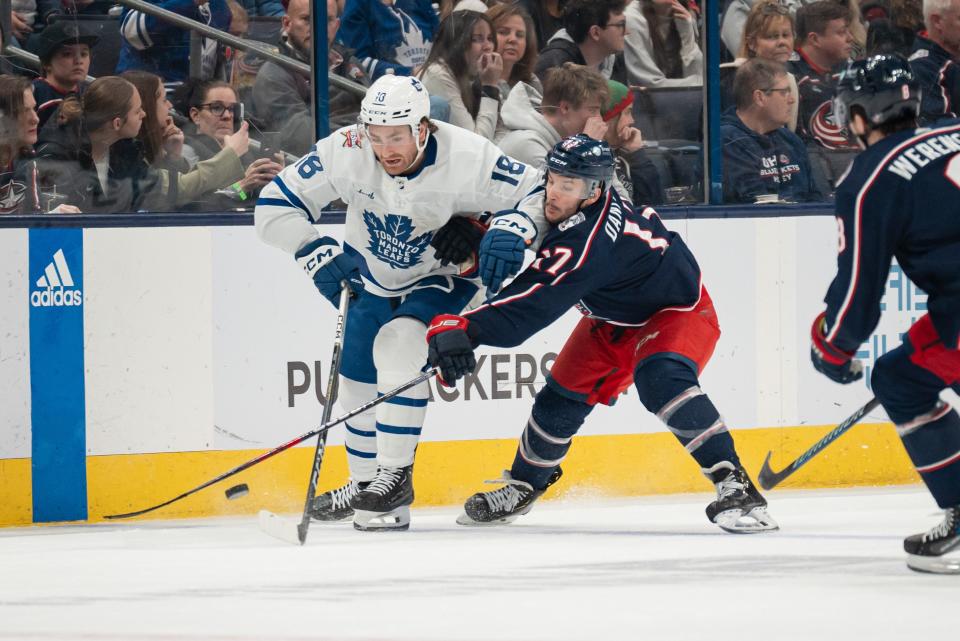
[[214, 113], [282, 98], [464, 68], [825, 40], [29, 17], [517, 46], [64, 52], [389, 34], [662, 46], [762, 159], [547, 17], [636, 176], [151, 44], [572, 98], [768, 33], [735, 17], [19, 185], [263, 7], [857, 27], [593, 33], [892, 28], [91, 154], [935, 60], [162, 143]]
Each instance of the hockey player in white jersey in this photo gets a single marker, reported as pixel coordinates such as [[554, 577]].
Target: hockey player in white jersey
[[406, 182]]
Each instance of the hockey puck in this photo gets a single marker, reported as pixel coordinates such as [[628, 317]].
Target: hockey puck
[[237, 491]]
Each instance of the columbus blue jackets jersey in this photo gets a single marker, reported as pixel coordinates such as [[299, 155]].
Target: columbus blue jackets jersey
[[901, 198], [815, 119], [613, 263], [939, 78]]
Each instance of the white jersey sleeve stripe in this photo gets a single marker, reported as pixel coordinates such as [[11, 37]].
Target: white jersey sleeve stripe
[[135, 32]]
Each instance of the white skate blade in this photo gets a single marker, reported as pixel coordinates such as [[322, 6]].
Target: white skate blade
[[278, 527], [464, 519], [738, 522], [946, 564], [398, 519]]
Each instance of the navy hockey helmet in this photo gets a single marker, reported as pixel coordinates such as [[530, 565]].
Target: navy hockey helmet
[[583, 157], [883, 86]]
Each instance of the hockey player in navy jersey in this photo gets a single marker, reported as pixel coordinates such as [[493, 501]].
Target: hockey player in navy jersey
[[648, 320], [901, 198], [403, 179]]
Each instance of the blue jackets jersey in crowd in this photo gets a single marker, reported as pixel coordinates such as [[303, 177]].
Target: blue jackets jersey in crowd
[[386, 37], [939, 79], [615, 264], [759, 164], [162, 48], [901, 198]]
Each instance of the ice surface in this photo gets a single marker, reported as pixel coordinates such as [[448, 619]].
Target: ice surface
[[650, 568]]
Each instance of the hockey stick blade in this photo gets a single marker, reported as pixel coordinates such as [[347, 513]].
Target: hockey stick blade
[[768, 479], [279, 527], [430, 373]]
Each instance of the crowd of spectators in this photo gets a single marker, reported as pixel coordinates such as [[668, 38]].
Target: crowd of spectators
[[176, 128]]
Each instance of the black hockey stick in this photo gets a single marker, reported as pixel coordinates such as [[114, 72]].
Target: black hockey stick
[[769, 479], [333, 376], [286, 446]]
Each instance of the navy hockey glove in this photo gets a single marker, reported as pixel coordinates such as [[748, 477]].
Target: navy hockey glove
[[501, 250], [458, 240], [833, 363], [324, 262], [449, 347]]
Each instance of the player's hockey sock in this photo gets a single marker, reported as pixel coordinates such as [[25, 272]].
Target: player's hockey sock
[[933, 443], [360, 438], [669, 388], [546, 439]]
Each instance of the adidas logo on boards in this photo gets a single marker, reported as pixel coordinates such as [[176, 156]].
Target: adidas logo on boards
[[56, 286]]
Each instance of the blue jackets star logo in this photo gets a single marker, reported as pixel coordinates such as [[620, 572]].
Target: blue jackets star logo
[[391, 242]]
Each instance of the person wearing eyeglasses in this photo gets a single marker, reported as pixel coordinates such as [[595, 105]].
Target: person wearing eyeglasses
[[593, 33], [663, 45], [215, 114], [762, 159]]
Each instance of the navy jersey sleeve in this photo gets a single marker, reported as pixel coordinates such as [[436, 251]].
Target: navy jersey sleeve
[[570, 264], [870, 224]]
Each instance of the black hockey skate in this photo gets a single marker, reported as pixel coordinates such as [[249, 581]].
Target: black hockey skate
[[938, 549], [335, 504], [739, 507], [504, 505], [385, 503]]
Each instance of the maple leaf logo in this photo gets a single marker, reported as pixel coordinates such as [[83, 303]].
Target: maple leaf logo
[[391, 242]]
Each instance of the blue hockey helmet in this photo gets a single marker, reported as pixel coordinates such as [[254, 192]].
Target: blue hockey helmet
[[583, 157], [883, 86]]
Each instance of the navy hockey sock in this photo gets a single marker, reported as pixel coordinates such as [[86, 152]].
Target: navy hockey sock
[[670, 389], [546, 439]]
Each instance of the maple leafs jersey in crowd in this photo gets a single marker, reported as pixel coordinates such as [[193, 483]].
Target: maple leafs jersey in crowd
[[391, 219], [901, 198], [815, 119], [615, 264]]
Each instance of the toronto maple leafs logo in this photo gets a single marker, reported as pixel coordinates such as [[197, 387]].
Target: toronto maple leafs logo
[[391, 242]]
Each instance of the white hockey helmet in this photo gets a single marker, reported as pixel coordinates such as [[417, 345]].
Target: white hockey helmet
[[395, 100]]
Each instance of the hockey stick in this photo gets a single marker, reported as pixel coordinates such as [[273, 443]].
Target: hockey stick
[[286, 446], [769, 479], [333, 374]]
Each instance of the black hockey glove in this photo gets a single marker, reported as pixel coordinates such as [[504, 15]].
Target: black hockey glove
[[458, 240], [324, 262], [449, 347], [502, 247], [833, 363]]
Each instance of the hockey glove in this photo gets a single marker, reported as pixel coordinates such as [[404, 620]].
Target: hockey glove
[[324, 262], [501, 250], [833, 363], [458, 240], [449, 347]]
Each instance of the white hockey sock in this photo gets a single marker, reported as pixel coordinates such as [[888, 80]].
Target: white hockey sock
[[361, 434]]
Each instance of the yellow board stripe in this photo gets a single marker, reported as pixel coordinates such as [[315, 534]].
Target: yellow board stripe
[[449, 472]]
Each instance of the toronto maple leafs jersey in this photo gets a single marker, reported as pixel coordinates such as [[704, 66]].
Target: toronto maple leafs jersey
[[391, 219], [615, 264], [900, 198]]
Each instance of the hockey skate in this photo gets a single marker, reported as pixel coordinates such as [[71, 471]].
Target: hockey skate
[[335, 504], [504, 505], [385, 503], [938, 549], [739, 507]]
